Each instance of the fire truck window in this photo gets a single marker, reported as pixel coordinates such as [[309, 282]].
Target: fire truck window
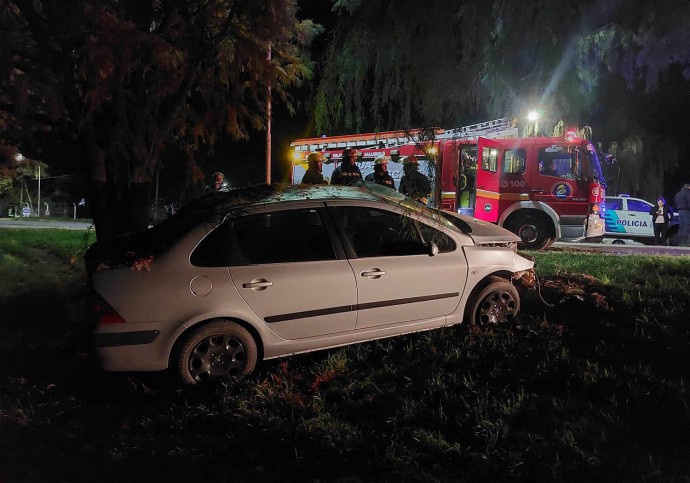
[[554, 161], [490, 159], [514, 161], [379, 233]]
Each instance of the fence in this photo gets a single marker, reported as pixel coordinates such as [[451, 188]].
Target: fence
[[48, 209]]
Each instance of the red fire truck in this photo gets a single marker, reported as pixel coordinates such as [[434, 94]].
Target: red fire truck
[[541, 188]]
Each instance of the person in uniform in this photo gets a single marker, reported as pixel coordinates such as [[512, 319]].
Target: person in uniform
[[380, 174], [348, 172], [314, 174], [413, 183]]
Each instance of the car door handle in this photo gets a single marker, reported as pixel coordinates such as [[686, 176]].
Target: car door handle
[[257, 284], [373, 273], [538, 192]]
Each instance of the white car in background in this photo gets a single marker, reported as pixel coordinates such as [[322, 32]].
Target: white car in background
[[628, 219], [252, 274]]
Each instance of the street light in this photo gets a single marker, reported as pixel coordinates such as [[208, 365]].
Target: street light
[[533, 118]]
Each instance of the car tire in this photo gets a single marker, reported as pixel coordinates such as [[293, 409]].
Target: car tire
[[497, 302], [618, 242], [216, 351]]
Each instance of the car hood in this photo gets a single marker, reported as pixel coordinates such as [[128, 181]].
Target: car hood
[[481, 232]]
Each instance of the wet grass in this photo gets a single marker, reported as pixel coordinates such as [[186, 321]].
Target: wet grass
[[588, 384]]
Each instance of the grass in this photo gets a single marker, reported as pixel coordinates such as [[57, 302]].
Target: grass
[[38, 258], [588, 384]]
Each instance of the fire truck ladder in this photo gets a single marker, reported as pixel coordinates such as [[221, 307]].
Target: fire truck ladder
[[497, 128]]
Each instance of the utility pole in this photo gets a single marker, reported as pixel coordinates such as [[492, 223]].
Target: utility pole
[[38, 211], [268, 125]]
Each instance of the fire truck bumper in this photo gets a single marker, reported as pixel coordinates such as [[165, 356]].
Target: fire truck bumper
[[595, 229]]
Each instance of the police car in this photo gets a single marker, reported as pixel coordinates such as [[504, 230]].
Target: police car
[[628, 218]]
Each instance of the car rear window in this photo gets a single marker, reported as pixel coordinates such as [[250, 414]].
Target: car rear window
[[280, 237], [275, 237]]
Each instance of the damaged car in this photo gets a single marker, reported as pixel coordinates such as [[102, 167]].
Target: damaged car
[[265, 272]]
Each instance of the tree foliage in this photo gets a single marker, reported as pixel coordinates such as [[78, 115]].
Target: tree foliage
[[434, 62], [115, 84]]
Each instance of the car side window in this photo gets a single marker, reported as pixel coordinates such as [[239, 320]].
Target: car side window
[[379, 233], [613, 204], [635, 205], [276, 237], [283, 236], [444, 242]]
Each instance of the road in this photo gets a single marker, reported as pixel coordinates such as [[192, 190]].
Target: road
[[632, 249], [45, 223]]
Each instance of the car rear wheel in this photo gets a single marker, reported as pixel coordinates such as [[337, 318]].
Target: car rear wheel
[[497, 302], [216, 351]]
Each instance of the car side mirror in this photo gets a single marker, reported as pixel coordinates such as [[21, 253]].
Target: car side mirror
[[432, 248]]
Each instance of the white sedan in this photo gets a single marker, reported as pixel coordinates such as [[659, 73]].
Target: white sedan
[[267, 272]]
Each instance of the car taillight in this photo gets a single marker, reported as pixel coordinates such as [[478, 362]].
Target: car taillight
[[105, 314]]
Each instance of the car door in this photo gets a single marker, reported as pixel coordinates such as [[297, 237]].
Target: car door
[[639, 221], [294, 276], [397, 280], [612, 215], [488, 180]]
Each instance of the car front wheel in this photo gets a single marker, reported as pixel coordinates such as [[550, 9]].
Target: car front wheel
[[497, 302], [216, 351]]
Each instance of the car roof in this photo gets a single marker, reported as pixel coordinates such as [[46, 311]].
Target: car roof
[[212, 208]]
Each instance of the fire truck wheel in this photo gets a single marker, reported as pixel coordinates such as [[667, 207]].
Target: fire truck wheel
[[532, 231], [495, 302]]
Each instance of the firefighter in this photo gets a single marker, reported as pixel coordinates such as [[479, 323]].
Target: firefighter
[[348, 172], [380, 174], [413, 183], [314, 174]]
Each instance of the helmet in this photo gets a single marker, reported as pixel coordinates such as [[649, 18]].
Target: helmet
[[347, 152], [382, 159], [314, 158], [410, 160]]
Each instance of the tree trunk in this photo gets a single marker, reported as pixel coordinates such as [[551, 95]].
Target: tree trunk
[[118, 210]]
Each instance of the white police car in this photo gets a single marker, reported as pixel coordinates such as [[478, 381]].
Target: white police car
[[628, 218]]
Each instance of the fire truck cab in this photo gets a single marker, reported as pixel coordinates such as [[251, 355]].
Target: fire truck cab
[[540, 188]]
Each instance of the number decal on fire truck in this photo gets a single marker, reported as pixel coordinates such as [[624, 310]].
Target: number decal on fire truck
[[520, 183]]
